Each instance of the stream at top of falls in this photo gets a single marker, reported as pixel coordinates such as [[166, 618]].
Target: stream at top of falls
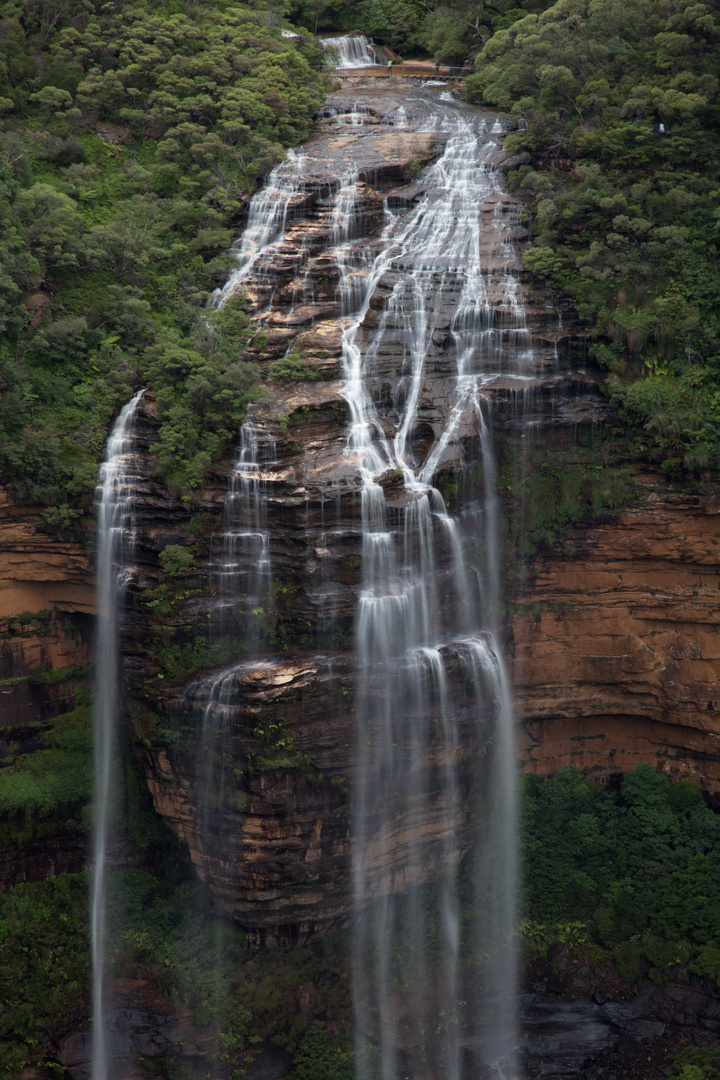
[[431, 333]]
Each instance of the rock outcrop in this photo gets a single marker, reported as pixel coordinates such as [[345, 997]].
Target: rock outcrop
[[46, 603]]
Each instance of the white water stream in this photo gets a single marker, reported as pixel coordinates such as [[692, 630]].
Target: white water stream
[[266, 221], [351, 51], [425, 609], [115, 529]]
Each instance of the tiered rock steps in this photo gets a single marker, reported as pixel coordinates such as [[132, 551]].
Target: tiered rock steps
[[287, 876]]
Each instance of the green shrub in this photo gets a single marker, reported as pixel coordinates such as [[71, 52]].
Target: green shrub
[[625, 219], [44, 966], [317, 1059], [116, 246], [697, 1063], [292, 368], [177, 561], [54, 777]]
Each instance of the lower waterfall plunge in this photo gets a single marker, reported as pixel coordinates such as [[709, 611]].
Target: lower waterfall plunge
[[116, 517]]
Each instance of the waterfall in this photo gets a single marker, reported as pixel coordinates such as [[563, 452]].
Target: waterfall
[[245, 567], [266, 221], [352, 51], [115, 501], [244, 586], [433, 332], [425, 626]]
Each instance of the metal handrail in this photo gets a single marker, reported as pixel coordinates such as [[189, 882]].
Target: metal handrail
[[451, 72]]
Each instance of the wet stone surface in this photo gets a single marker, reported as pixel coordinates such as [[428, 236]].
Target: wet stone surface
[[359, 203]]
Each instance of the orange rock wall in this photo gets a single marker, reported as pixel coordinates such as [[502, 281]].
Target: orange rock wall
[[47, 592], [37, 570], [614, 649], [46, 599]]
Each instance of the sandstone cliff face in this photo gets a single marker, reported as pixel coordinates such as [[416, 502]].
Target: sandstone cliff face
[[241, 700], [616, 644], [46, 600]]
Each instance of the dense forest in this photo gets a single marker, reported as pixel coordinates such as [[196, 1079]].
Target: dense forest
[[616, 148]]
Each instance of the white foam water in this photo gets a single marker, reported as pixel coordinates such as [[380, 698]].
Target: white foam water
[[426, 609], [351, 51], [266, 222], [115, 500]]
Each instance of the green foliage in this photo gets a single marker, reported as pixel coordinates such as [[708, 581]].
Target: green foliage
[[626, 218], [129, 141], [162, 933], [203, 385], [675, 414], [316, 1059], [450, 32], [292, 368], [44, 965], [180, 659], [698, 1063], [635, 868], [561, 488], [177, 561], [273, 980], [49, 781], [165, 932]]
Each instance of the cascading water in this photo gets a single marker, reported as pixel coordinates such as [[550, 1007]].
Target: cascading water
[[427, 609], [427, 304], [244, 585], [245, 572], [266, 221], [242, 573], [115, 499], [351, 51]]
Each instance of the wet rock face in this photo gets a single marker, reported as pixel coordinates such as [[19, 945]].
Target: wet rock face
[[147, 1036], [612, 649], [242, 688]]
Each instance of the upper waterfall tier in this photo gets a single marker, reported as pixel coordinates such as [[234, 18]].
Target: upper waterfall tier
[[383, 262], [351, 51]]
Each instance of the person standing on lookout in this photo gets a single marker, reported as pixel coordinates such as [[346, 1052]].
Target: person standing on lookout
[[390, 68]]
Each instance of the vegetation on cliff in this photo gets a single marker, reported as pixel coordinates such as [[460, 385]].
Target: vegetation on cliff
[[635, 871], [130, 138], [618, 148], [44, 966]]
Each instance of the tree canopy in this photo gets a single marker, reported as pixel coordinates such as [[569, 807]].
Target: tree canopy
[[131, 136], [618, 110]]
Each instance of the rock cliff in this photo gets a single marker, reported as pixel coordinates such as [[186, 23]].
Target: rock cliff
[[241, 702], [243, 698], [616, 643]]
